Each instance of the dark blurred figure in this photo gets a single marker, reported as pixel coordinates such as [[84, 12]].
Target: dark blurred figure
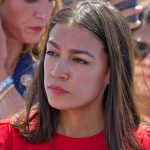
[[142, 68]]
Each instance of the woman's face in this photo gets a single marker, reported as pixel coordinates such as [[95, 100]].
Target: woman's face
[[142, 67], [24, 20], [75, 68]]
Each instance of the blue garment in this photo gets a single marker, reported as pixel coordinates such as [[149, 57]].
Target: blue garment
[[25, 66]]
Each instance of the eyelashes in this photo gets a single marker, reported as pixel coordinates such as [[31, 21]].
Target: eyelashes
[[51, 53], [33, 1], [80, 61], [76, 59]]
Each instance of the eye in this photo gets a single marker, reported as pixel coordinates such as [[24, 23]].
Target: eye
[[32, 1], [51, 1], [51, 53], [80, 61]]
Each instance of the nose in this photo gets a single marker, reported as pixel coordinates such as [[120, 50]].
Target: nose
[[60, 70], [44, 10], [146, 60]]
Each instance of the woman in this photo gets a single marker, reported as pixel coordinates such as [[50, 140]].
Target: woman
[[84, 86], [142, 68], [21, 25]]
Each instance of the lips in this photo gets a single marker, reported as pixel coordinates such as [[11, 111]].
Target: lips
[[56, 90], [36, 29]]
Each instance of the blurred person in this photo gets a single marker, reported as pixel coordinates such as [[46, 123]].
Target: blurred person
[[84, 86], [142, 68], [21, 26], [129, 12], [145, 3], [126, 12]]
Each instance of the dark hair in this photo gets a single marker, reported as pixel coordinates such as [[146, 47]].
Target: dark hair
[[121, 120]]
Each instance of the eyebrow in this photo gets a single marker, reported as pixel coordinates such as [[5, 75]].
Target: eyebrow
[[79, 51], [74, 51], [53, 43]]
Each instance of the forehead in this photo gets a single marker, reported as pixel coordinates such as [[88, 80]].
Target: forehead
[[70, 28], [74, 35]]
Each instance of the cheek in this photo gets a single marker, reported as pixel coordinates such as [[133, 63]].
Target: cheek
[[46, 70], [89, 84], [48, 66], [50, 9], [16, 10], [12, 19]]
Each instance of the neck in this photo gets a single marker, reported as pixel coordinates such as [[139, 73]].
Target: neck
[[81, 122], [143, 108], [14, 50]]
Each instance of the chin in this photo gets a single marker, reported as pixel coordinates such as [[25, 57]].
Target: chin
[[58, 105], [31, 40]]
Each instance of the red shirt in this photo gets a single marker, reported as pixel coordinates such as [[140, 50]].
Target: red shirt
[[11, 140]]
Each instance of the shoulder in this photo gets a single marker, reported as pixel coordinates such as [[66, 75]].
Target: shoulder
[[5, 129], [5, 135], [9, 136], [143, 136]]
